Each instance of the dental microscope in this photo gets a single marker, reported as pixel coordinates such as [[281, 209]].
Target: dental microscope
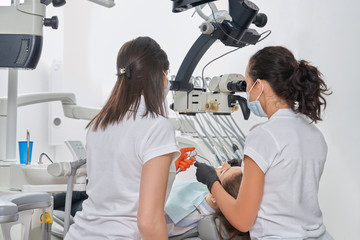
[[207, 109]]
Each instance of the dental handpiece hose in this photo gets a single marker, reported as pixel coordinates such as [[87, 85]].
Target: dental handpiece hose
[[74, 166]]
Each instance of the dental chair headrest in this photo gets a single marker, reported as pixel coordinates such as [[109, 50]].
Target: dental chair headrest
[[208, 229]]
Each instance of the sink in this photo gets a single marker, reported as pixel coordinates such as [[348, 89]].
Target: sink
[[21, 174], [38, 174]]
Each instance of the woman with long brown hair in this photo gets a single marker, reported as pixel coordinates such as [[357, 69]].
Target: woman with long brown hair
[[130, 147]]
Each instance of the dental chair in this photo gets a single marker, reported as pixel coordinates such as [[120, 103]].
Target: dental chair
[[18, 209], [207, 229]]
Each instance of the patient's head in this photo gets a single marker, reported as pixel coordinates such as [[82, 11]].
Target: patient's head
[[230, 178], [226, 172]]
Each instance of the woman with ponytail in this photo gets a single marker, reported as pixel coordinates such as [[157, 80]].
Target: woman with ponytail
[[284, 157]]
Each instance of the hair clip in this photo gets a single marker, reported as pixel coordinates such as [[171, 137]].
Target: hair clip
[[296, 105], [125, 71]]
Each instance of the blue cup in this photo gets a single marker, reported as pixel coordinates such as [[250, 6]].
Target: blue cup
[[23, 151]]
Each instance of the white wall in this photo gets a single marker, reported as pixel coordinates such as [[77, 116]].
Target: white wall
[[323, 32]]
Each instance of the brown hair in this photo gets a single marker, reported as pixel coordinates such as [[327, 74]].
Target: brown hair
[[298, 83], [231, 186], [145, 63]]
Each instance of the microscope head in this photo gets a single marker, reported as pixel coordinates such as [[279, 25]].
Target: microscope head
[[21, 34]]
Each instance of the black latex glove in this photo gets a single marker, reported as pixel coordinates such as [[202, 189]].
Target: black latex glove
[[206, 174]]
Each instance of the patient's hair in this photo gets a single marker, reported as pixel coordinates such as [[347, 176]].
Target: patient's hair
[[231, 185]]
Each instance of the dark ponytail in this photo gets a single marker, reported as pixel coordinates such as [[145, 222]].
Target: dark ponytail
[[298, 83]]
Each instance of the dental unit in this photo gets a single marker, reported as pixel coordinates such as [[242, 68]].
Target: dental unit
[[21, 41]]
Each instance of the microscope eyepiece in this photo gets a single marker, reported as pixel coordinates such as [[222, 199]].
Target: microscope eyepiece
[[260, 20], [236, 86]]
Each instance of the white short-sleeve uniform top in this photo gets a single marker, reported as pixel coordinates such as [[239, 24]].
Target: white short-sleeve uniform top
[[291, 152], [115, 158]]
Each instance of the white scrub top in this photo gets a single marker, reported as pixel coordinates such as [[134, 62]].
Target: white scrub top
[[291, 152], [114, 163]]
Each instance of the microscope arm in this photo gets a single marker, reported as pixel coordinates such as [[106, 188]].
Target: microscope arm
[[192, 58], [68, 102], [77, 112], [231, 30], [33, 98], [202, 44]]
